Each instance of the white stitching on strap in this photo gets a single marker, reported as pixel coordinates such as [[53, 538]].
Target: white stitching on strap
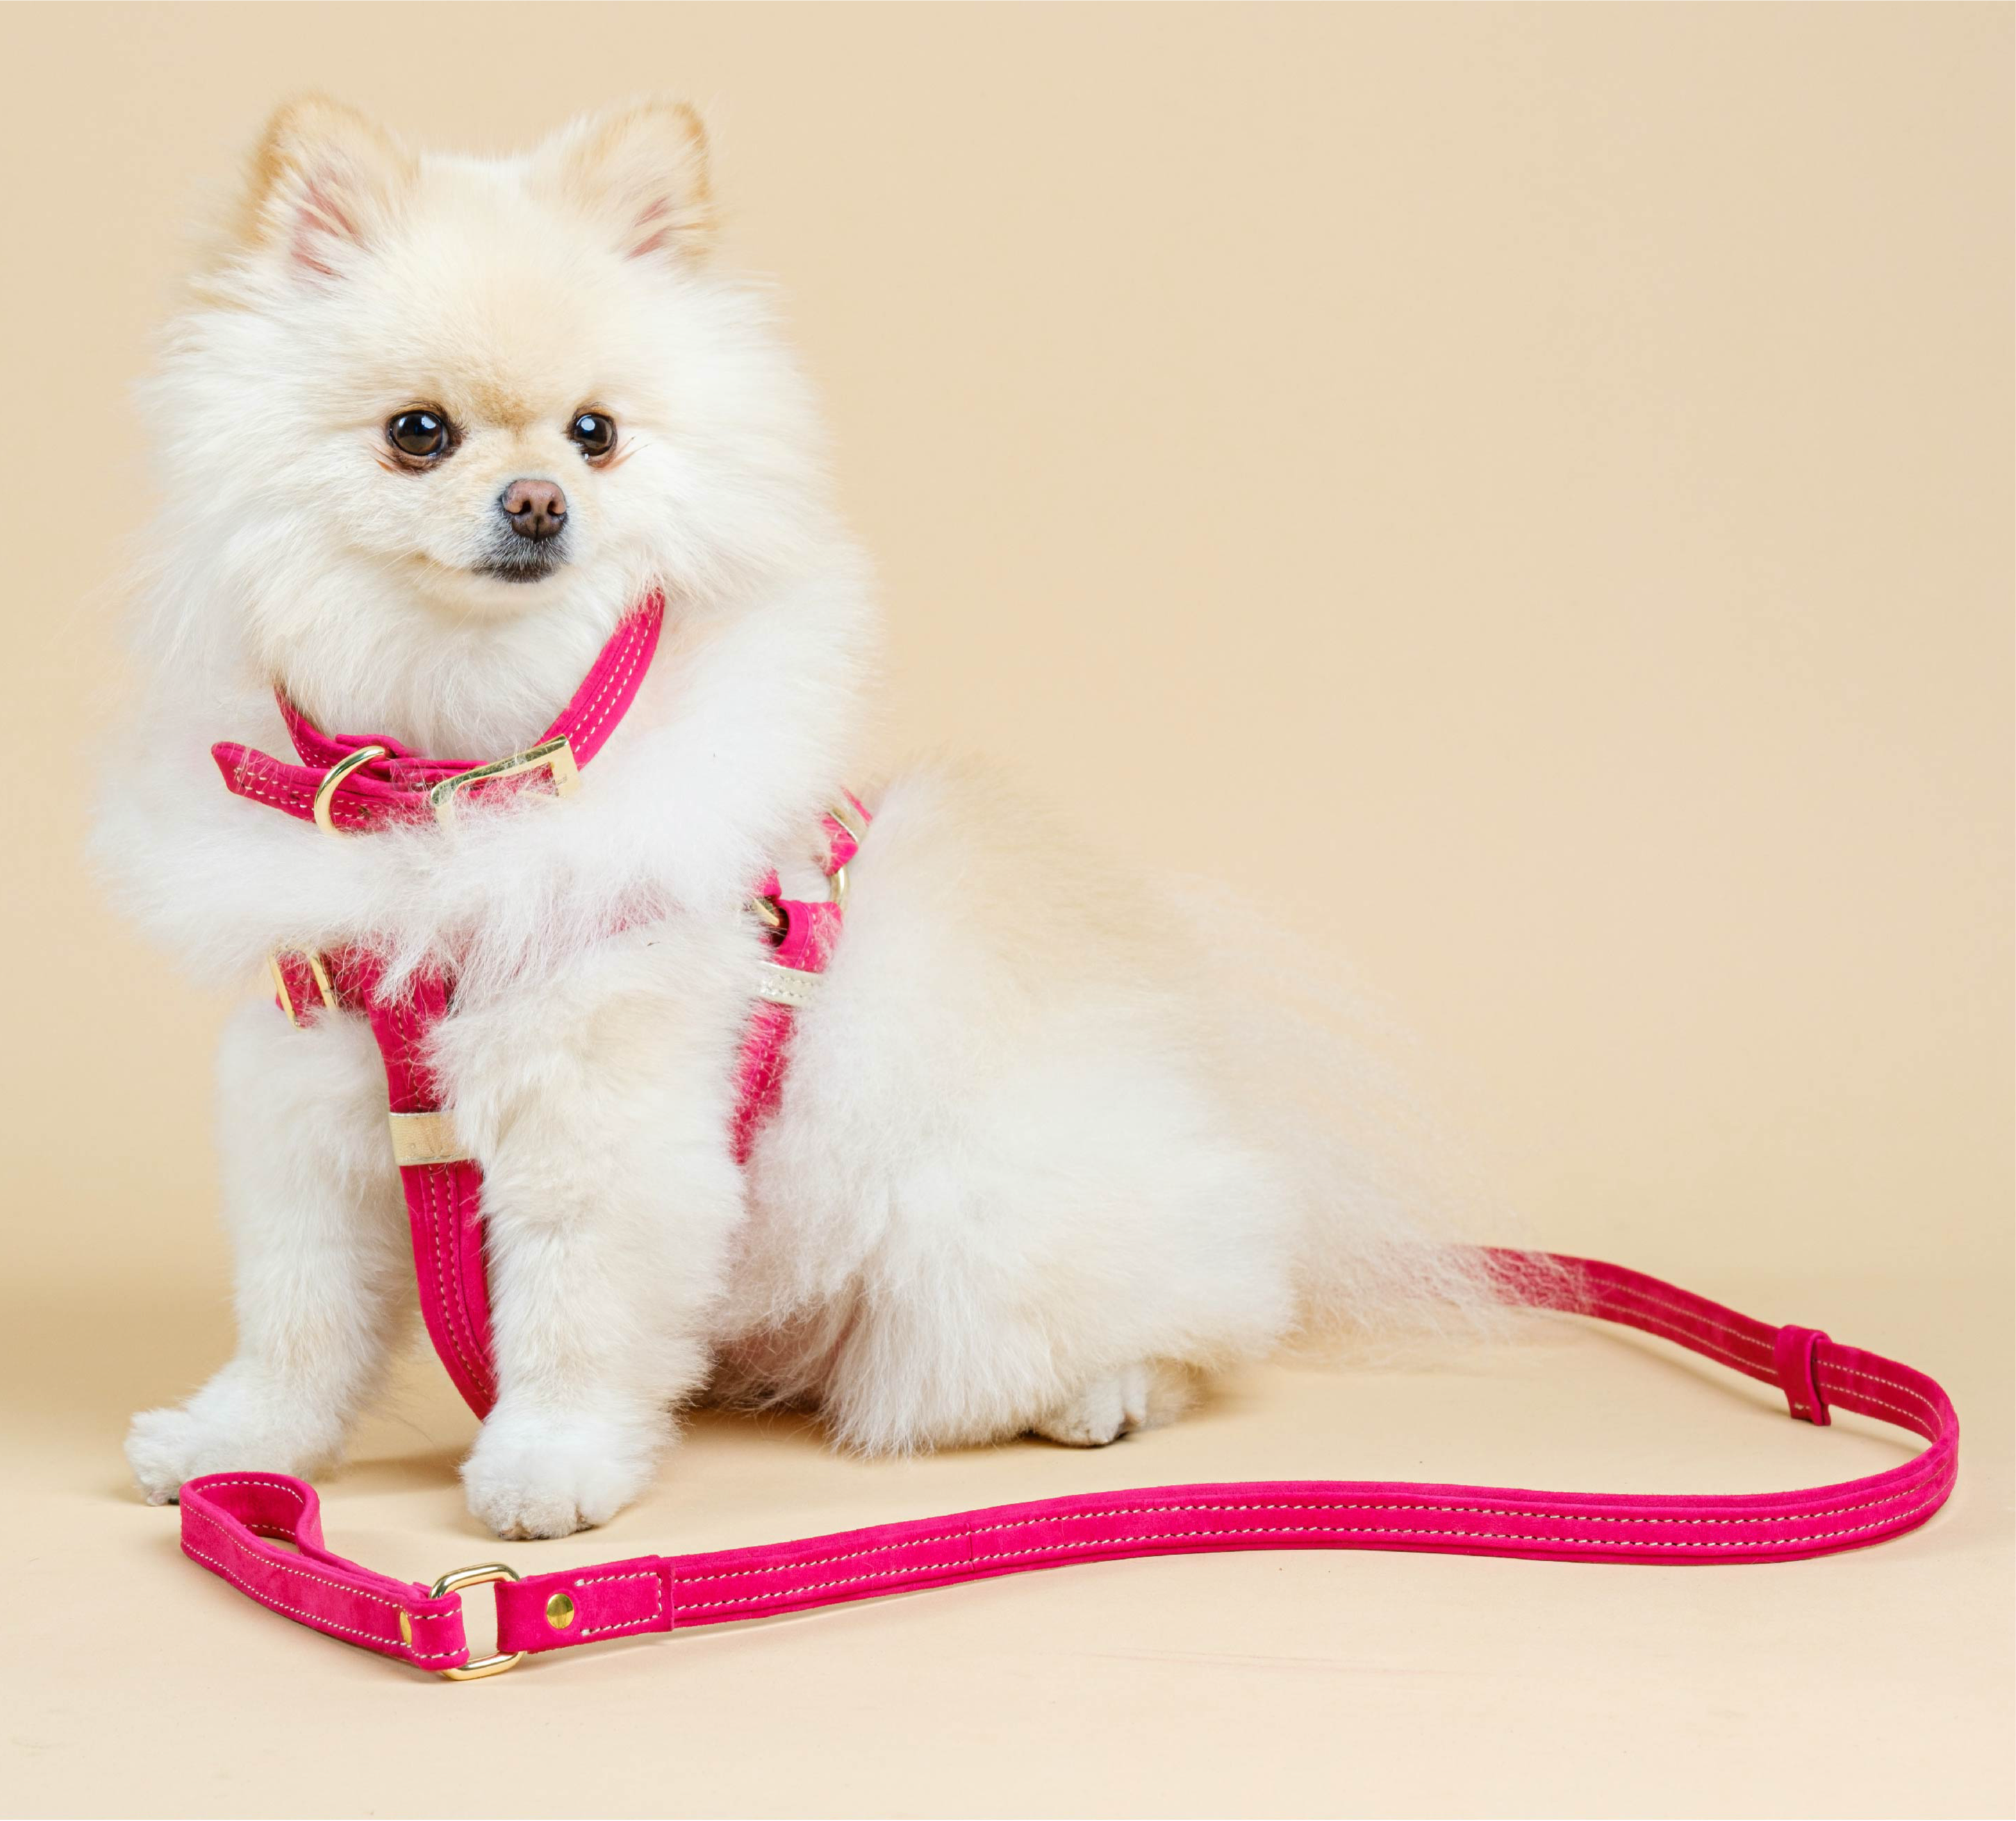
[[291, 798], [1315, 1505], [265, 1597], [441, 1207], [1312, 1530], [605, 697], [287, 1567], [294, 1492], [657, 1580], [315, 1619], [1694, 1342], [1911, 1392], [1847, 1396], [1620, 1290]]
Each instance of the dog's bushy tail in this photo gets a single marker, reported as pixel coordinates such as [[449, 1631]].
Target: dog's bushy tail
[[1392, 1206]]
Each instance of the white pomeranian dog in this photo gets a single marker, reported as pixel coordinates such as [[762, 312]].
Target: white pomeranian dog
[[1052, 1143]]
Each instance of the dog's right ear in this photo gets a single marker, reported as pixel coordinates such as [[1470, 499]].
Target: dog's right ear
[[324, 184]]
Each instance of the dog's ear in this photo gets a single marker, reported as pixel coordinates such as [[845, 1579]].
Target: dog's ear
[[324, 183], [642, 168]]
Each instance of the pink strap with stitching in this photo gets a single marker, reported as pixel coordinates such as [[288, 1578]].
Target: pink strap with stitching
[[443, 1201], [805, 945], [228, 1518], [394, 788]]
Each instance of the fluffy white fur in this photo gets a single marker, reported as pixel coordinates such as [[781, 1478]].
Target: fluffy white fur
[[1046, 1153]]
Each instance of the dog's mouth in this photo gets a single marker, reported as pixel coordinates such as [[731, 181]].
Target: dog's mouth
[[525, 562]]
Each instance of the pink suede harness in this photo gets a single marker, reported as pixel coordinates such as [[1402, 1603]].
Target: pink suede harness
[[349, 783], [262, 1531]]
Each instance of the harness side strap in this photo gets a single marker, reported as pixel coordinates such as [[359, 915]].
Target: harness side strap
[[649, 1593]]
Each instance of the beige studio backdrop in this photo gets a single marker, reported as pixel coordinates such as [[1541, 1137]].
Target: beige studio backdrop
[[1525, 491]]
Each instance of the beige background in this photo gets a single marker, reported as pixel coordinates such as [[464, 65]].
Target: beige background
[[1527, 489]]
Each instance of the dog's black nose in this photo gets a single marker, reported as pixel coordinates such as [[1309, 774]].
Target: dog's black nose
[[536, 508]]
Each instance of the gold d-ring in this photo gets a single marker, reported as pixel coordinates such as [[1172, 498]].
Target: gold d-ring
[[765, 908], [325, 790], [454, 1582], [836, 884]]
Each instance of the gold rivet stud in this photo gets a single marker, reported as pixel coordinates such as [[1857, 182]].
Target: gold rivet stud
[[560, 1611], [405, 1626]]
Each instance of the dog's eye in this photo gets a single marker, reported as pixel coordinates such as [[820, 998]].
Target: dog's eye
[[594, 433], [422, 435]]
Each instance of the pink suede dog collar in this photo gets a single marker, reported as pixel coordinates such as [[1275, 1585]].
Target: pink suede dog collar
[[232, 1524], [353, 781]]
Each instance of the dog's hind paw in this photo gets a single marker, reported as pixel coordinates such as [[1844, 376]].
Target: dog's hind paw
[[1141, 1397]]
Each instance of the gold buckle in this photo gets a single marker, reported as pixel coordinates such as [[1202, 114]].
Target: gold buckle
[[325, 790], [317, 971], [454, 1582], [556, 757]]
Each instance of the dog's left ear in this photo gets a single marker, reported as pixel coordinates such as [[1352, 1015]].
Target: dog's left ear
[[642, 169]]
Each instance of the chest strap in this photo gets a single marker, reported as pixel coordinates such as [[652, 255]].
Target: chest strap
[[443, 1184]]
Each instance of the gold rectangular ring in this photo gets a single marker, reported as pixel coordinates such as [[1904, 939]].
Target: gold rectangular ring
[[554, 757]]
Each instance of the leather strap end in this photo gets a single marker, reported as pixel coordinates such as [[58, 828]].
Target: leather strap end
[[583, 1606]]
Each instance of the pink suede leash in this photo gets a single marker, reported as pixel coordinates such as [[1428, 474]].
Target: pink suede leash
[[235, 1524]]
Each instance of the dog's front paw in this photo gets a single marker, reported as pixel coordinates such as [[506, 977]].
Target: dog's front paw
[[215, 1432], [160, 1447], [550, 1475]]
